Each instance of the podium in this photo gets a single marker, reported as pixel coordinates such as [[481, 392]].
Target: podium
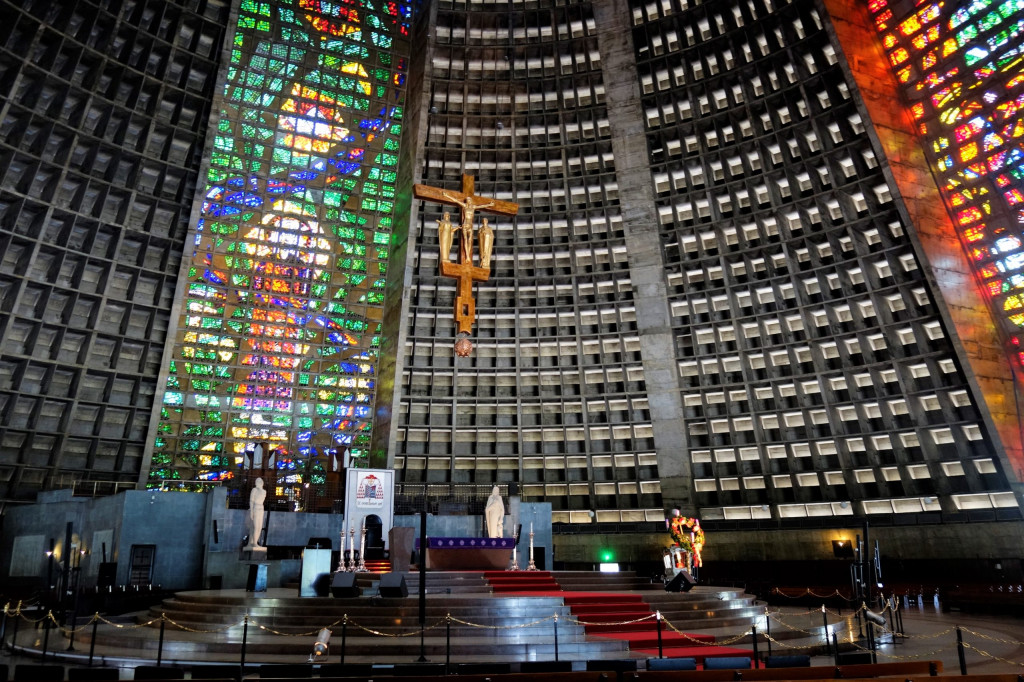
[[316, 573]]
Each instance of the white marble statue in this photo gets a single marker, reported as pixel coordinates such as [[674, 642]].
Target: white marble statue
[[494, 514], [256, 498]]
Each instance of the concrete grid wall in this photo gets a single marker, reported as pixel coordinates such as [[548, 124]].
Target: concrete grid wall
[[102, 115]]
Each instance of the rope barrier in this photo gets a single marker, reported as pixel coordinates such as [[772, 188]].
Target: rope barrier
[[204, 632], [502, 627], [789, 646], [701, 642], [399, 634], [837, 627], [122, 626], [913, 657], [993, 639], [809, 592], [932, 636], [36, 621], [272, 631], [624, 622], [71, 631], [990, 655]]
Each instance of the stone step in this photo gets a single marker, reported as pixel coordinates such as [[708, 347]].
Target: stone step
[[364, 620], [178, 643]]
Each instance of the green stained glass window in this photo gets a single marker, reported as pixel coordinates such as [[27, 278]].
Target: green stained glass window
[[287, 237]]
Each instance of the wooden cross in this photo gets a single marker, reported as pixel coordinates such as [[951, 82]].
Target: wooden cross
[[464, 271]]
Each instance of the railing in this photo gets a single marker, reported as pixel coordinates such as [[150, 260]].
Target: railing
[[80, 488], [328, 496]]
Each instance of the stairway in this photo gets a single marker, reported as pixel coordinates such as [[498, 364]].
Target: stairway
[[495, 616], [627, 617]]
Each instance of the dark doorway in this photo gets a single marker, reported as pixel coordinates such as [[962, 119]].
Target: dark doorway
[[143, 557], [374, 537]]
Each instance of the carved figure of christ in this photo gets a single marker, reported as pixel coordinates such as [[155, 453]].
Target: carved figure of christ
[[464, 272]]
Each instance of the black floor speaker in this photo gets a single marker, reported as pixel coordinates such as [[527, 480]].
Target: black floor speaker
[[393, 585], [344, 585], [683, 582]]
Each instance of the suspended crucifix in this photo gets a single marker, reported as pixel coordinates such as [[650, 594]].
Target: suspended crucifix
[[464, 271]]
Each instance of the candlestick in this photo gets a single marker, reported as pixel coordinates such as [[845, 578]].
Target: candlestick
[[515, 562], [362, 549], [531, 566], [341, 552], [351, 548]]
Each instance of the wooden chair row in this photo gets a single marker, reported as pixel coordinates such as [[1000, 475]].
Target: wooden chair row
[[679, 670]]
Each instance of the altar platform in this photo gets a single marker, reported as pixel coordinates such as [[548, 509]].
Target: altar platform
[[205, 628], [468, 554]]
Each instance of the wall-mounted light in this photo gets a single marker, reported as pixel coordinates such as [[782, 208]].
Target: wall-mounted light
[[842, 549]]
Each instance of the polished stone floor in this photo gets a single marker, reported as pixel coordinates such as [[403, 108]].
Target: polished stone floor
[[992, 644]]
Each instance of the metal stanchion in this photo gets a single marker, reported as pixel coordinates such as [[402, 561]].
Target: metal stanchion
[[92, 642], [753, 637], [824, 625], [871, 639], [3, 627], [835, 646], [657, 618], [892, 620], [447, 643], [344, 636], [245, 636], [556, 636], [160, 645], [768, 630], [46, 636], [960, 651], [71, 631], [17, 622]]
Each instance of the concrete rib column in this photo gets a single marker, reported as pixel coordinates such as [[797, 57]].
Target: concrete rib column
[[646, 264]]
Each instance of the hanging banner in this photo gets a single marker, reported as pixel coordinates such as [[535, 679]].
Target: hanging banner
[[370, 499]]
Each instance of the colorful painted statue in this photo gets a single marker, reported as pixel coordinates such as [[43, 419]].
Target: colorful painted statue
[[687, 534]]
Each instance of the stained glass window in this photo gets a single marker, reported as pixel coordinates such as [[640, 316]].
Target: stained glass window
[[967, 103], [274, 313]]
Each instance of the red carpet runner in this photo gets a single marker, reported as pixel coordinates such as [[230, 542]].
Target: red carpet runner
[[609, 614], [522, 581]]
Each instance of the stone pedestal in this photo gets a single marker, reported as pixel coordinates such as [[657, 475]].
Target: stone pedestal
[[257, 579]]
